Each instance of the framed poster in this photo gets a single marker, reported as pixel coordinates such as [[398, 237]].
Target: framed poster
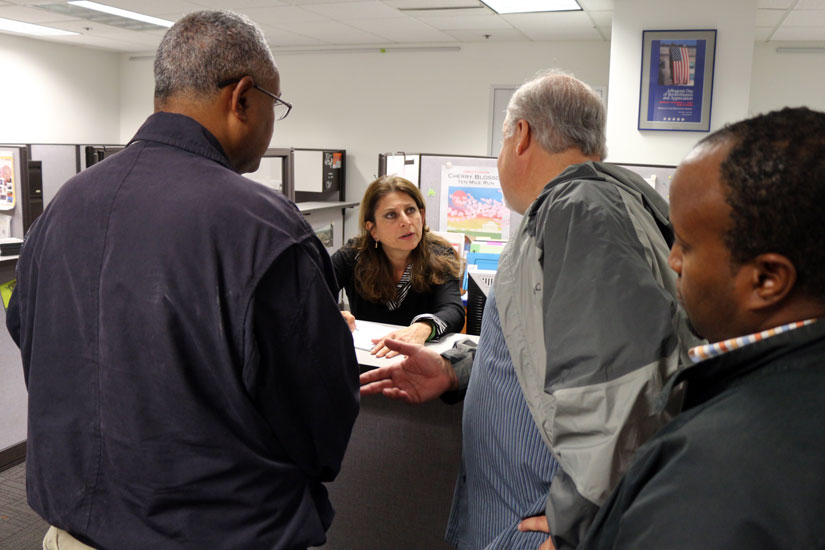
[[677, 80]]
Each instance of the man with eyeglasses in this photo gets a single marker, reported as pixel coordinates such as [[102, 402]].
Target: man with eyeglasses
[[191, 381]]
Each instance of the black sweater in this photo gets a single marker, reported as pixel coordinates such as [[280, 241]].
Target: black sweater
[[443, 301]]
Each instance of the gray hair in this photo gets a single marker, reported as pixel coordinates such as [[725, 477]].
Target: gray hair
[[562, 112], [204, 48]]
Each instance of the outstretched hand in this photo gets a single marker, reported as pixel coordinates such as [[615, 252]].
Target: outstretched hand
[[538, 523], [422, 376], [416, 333]]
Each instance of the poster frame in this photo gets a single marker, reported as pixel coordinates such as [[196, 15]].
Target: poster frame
[[652, 117]]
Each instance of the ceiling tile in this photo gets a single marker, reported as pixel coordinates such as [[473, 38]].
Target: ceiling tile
[[432, 3], [105, 43], [29, 2], [34, 15], [596, 4], [606, 32], [810, 5], [500, 35], [780, 4], [236, 5], [402, 29], [463, 12], [320, 26], [763, 34], [99, 30], [769, 18], [280, 38], [805, 18], [280, 16], [568, 25], [799, 33], [350, 39], [355, 10], [479, 22], [311, 2], [153, 7], [601, 18]]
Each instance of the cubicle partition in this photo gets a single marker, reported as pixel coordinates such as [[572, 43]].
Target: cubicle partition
[[315, 179], [14, 175], [658, 176]]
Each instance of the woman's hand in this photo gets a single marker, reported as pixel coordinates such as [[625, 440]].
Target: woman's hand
[[416, 333], [350, 319]]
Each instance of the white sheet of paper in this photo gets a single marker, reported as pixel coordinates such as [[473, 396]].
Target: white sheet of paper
[[366, 331]]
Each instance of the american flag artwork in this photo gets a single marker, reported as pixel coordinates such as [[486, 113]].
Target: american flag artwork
[[680, 63]]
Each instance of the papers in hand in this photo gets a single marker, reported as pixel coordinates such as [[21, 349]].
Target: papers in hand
[[366, 331]]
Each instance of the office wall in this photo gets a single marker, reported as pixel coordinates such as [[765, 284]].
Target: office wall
[[735, 23], [786, 79], [368, 103], [53, 93]]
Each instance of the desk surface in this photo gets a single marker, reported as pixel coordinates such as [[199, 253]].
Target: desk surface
[[444, 343]]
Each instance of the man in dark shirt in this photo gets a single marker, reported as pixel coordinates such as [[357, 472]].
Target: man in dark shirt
[[191, 382], [741, 466]]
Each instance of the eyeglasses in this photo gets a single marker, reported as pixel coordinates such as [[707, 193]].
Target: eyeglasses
[[281, 107]]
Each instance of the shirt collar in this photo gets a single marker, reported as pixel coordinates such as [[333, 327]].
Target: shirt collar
[[707, 378], [706, 351], [184, 133]]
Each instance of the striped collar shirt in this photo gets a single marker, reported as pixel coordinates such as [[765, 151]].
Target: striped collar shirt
[[402, 288], [700, 353]]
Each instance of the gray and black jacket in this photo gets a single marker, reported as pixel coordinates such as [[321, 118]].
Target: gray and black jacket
[[588, 311]]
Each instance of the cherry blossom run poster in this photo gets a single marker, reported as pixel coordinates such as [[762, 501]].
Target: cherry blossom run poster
[[472, 202]]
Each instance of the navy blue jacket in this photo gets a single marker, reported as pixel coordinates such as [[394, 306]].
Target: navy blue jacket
[[741, 467], [191, 381]]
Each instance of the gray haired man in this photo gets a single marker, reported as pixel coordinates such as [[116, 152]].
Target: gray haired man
[[580, 331], [191, 381]]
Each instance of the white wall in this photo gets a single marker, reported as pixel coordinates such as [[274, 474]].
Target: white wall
[[55, 93], [786, 79], [735, 22], [371, 103]]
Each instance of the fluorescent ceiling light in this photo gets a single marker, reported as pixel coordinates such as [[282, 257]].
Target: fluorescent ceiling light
[[122, 13], [530, 6], [9, 25]]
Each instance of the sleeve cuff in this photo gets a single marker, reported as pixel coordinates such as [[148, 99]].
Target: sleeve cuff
[[461, 356], [439, 325]]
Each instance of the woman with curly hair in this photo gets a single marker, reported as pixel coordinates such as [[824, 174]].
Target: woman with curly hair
[[397, 272]]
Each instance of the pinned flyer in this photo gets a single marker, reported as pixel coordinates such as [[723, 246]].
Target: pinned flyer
[[5, 290], [472, 202], [8, 196]]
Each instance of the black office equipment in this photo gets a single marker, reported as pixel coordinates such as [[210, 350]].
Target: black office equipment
[[479, 282], [96, 153], [31, 193]]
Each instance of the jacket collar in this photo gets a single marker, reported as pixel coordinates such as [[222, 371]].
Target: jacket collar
[[709, 378], [184, 133], [621, 177]]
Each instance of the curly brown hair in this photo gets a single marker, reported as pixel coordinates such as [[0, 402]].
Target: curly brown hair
[[434, 261]]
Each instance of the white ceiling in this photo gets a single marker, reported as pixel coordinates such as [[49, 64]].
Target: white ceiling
[[311, 24]]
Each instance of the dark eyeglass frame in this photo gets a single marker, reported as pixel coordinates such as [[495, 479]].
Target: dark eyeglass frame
[[288, 105]]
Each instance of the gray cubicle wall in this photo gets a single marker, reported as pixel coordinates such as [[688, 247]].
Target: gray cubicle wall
[[60, 162], [657, 175], [13, 396]]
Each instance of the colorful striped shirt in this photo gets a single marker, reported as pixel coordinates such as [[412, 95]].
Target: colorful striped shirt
[[700, 353]]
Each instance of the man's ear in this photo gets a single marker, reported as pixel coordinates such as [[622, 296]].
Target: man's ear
[[238, 100], [772, 277], [523, 136]]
